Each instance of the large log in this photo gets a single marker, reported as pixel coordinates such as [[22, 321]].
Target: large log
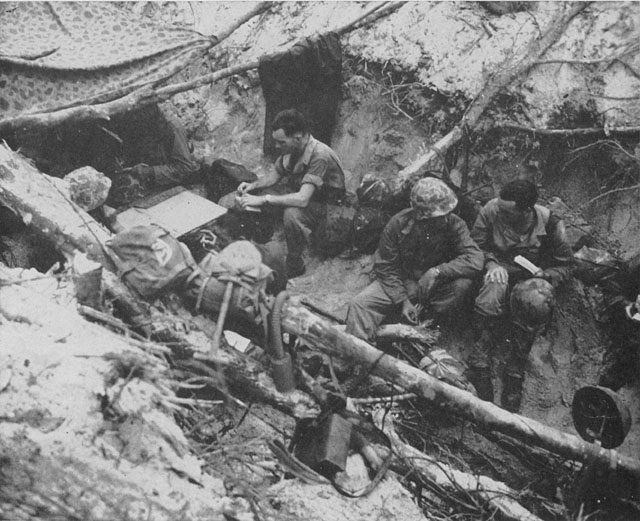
[[331, 339], [35, 197], [517, 65]]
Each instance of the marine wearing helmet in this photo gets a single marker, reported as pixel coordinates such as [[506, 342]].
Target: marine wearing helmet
[[425, 261]]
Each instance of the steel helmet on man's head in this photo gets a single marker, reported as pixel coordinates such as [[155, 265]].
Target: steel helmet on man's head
[[531, 303], [432, 198]]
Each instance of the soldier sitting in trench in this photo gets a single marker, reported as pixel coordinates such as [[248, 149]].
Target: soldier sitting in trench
[[425, 258], [308, 176], [156, 147], [507, 226]]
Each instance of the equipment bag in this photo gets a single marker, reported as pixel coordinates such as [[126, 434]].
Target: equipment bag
[[241, 264], [150, 259], [323, 444], [335, 233]]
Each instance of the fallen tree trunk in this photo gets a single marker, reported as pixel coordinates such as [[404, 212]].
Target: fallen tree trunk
[[328, 338], [408, 459], [34, 196], [500, 79]]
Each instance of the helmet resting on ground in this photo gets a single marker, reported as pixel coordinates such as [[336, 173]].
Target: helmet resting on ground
[[531, 303], [432, 197]]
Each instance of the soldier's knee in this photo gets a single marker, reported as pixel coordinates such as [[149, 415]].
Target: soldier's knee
[[291, 216], [462, 286]]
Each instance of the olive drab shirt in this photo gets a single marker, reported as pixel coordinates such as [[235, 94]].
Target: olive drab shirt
[[545, 244], [318, 165], [409, 247]]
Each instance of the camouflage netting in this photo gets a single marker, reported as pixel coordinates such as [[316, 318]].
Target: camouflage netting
[[55, 55]]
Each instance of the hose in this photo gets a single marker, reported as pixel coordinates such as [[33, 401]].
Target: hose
[[280, 359], [276, 349]]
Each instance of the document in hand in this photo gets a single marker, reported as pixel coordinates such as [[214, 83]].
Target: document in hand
[[526, 264]]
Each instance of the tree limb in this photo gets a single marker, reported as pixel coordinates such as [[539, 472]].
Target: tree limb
[[502, 78], [409, 459], [568, 131], [328, 338], [148, 96], [258, 9]]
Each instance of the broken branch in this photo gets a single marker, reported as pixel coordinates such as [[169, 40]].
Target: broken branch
[[569, 131], [407, 459], [423, 335], [148, 96], [502, 78]]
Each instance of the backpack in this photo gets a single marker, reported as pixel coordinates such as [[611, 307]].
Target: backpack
[[150, 259], [335, 233], [241, 264]]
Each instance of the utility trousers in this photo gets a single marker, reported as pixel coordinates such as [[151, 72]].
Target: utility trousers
[[299, 223], [372, 305]]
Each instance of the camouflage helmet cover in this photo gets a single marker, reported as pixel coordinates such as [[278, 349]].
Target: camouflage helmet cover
[[87, 187], [532, 302], [433, 197]]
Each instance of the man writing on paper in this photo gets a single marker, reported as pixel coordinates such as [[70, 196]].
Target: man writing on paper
[[514, 231], [307, 177]]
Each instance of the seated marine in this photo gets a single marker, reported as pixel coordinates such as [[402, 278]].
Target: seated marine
[[308, 176], [508, 226], [425, 259]]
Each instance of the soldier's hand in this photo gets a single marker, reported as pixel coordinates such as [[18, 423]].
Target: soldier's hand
[[426, 283], [410, 312], [248, 200], [496, 273], [244, 187]]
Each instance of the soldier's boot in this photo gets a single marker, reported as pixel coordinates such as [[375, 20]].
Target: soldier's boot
[[480, 378], [479, 372], [511, 398]]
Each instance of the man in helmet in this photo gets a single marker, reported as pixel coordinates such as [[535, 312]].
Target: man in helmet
[[425, 258], [508, 226]]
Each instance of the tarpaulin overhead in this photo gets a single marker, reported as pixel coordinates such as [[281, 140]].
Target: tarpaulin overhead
[[55, 55]]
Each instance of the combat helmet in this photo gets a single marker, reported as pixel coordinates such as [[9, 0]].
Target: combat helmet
[[431, 197], [531, 303]]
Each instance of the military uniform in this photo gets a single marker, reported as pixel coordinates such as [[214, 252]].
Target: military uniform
[[545, 244], [318, 165], [409, 247]]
